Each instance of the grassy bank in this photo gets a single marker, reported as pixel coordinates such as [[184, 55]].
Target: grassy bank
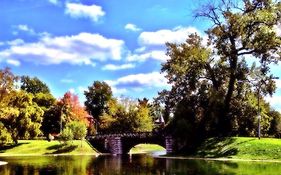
[[146, 148], [43, 147], [241, 148]]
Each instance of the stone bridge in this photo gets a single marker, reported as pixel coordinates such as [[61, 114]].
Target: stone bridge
[[122, 143]]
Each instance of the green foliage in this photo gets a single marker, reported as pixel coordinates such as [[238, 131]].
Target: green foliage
[[126, 115], [34, 85], [51, 120], [78, 129], [66, 135], [44, 100], [97, 97], [5, 136], [214, 90], [24, 117]]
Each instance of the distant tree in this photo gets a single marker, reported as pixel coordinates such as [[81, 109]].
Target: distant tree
[[126, 115], [97, 97], [66, 135], [34, 85], [72, 109], [275, 125], [79, 129], [52, 120]]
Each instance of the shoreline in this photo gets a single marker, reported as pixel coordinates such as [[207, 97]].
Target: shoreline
[[47, 155], [158, 156], [217, 159]]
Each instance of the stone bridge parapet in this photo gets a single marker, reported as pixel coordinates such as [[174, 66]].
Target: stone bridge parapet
[[121, 143]]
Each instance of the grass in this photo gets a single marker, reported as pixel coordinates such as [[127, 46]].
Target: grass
[[241, 148], [146, 148], [43, 147]]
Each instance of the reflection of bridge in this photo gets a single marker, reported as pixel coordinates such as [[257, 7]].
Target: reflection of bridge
[[123, 142]]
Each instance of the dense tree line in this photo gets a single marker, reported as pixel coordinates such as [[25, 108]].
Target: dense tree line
[[28, 110]]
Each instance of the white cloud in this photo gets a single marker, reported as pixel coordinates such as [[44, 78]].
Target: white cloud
[[160, 37], [132, 27], [77, 49], [15, 42], [153, 79], [155, 54], [274, 101], [72, 90], [29, 30], [152, 44], [25, 28], [81, 89], [93, 12], [118, 67], [55, 2], [118, 91], [67, 81], [13, 62]]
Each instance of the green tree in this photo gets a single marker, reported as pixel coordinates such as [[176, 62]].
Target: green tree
[[79, 129], [66, 135], [97, 97], [240, 31], [7, 87], [127, 115], [24, 117], [34, 85], [5, 136], [214, 90]]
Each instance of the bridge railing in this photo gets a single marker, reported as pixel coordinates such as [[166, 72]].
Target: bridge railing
[[127, 135]]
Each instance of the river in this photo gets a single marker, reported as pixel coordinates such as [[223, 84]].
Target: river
[[142, 164]]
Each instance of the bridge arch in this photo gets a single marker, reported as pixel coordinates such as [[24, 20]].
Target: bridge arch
[[122, 143]]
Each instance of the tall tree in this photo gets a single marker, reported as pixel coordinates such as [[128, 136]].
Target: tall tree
[[72, 109], [7, 86], [97, 97], [240, 31], [24, 117], [34, 85], [213, 87]]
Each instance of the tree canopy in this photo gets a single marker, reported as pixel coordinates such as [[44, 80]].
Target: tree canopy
[[34, 85], [215, 88], [97, 97]]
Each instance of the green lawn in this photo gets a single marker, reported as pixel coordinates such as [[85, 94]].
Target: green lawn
[[146, 148], [241, 148], [43, 147]]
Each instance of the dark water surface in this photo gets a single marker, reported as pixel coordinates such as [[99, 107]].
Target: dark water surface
[[134, 164]]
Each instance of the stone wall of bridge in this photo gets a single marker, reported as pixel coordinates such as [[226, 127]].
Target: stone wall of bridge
[[122, 143]]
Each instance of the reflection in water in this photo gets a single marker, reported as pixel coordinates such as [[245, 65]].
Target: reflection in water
[[130, 164]]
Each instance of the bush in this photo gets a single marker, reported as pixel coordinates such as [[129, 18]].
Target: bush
[[66, 135], [79, 129], [5, 136]]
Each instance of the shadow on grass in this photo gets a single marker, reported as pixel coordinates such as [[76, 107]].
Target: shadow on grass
[[62, 148], [217, 147], [11, 146]]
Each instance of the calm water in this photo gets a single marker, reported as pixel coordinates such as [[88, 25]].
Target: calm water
[[135, 164]]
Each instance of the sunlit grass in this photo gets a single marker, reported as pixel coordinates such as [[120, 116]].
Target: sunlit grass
[[241, 148], [146, 148], [43, 147]]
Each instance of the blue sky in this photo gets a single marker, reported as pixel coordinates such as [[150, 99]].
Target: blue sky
[[70, 43]]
